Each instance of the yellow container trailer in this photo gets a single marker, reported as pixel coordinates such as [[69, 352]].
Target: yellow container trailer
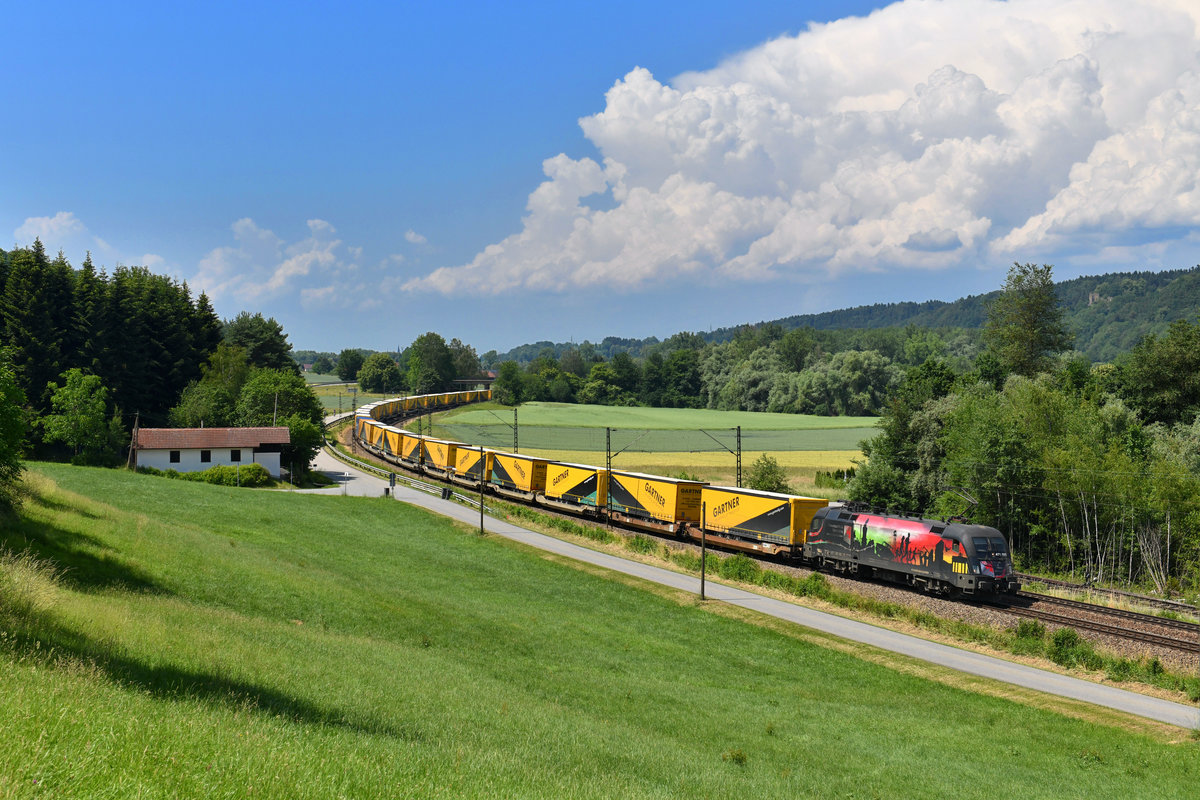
[[517, 476], [471, 465], [575, 487], [653, 501], [763, 522], [438, 456]]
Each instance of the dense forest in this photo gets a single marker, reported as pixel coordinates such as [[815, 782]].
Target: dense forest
[[86, 355]]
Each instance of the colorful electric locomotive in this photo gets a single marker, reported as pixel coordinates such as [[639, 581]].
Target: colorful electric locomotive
[[937, 556]]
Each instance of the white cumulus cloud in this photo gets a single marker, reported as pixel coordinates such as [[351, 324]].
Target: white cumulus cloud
[[928, 135], [62, 225], [261, 264], [412, 237]]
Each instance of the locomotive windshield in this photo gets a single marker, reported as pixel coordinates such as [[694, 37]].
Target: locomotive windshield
[[990, 546]]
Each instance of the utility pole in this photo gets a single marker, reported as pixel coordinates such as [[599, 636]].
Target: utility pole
[[739, 456], [703, 545], [132, 461]]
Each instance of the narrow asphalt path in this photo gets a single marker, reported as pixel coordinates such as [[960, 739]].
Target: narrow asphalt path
[[352, 482]]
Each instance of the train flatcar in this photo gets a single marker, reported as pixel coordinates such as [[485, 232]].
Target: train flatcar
[[934, 555]]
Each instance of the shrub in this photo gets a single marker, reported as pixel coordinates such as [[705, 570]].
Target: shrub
[[641, 544], [766, 475], [252, 475], [741, 568], [1120, 669], [1067, 649]]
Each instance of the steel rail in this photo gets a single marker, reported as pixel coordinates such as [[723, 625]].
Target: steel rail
[[1109, 630]]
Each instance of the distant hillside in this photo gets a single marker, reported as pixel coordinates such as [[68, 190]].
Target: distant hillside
[[1108, 314]]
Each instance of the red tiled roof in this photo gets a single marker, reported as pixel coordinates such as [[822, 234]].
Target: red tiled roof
[[209, 438]]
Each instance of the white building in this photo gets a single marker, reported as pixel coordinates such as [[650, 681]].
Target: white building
[[198, 449]]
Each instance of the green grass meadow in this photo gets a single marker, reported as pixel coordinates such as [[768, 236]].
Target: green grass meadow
[[202, 641]]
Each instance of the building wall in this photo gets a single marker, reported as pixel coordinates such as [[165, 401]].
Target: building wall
[[189, 460]]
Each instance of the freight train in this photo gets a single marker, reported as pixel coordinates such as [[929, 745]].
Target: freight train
[[941, 557]]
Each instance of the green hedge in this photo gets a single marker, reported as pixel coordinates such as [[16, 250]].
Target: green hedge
[[251, 475]]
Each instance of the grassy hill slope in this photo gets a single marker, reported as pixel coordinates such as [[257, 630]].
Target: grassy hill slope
[[208, 642]]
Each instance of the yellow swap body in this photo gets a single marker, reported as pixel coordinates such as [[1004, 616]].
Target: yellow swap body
[[439, 453], [471, 462], [781, 519], [577, 484], [518, 473], [654, 497]]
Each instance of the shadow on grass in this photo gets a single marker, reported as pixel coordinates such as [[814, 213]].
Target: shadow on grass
[[87, 563], [44, 640]]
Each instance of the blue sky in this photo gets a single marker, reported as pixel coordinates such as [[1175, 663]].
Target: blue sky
[[506, 173]]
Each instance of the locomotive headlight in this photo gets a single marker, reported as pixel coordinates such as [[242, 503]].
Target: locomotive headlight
[[974, 567]]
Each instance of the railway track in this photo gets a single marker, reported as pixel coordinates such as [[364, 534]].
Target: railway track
[[1133, 597], [1108, 630], [1178, 635], [1119, 613]]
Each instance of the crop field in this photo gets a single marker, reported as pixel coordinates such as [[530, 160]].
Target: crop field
[[203, 641]]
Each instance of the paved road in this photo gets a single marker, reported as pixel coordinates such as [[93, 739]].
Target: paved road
[[353, 482]]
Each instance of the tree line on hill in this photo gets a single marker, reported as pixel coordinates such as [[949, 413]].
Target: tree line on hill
[[1091, 471], [1107, 315], [84, 355]]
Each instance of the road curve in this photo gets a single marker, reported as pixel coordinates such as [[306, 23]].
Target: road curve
[[354, 482]]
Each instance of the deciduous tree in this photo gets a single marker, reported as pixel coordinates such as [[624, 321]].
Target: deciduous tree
[[379, 373], [1024, 325], [80, 417], [349, 362]]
